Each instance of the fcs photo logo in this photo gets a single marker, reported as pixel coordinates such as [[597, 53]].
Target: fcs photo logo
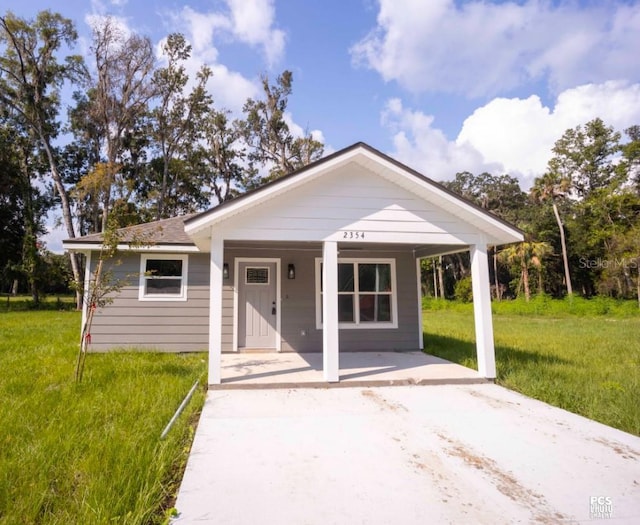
[[600, 507]]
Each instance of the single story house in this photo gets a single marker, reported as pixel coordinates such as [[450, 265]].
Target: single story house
[[324, 259]]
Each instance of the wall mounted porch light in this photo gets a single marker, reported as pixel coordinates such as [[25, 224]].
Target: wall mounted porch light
[[225, 271], [291, 271]]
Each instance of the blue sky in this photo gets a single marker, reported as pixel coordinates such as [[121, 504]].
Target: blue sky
[[442, 85]]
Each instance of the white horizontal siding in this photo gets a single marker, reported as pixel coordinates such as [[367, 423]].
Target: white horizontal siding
[[351, 200]]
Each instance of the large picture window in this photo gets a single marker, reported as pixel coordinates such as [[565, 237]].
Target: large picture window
[[163, 277], [366, 293]]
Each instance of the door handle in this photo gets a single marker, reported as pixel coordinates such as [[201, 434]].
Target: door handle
[[273, 308]]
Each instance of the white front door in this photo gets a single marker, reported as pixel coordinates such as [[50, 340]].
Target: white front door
[[257, 307]]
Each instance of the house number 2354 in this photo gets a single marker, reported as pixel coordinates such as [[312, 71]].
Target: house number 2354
[[352, 235]]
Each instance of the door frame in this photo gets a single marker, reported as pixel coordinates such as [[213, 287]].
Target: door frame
[[236, 293]]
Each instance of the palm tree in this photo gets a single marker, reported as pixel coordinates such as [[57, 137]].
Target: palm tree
[[526, 255], [549, 188]]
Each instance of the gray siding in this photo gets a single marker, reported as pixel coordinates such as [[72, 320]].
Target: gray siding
[[299, 304], [173, 326], [183, 326]]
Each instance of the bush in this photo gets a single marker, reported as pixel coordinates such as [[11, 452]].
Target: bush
[[463, 290], [545, 305]]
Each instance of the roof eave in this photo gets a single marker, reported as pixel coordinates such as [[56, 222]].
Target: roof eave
[[94, 246]]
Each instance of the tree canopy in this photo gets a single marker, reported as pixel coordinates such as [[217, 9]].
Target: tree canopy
[[144, 139]]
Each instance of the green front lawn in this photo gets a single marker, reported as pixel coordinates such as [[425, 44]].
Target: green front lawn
[[88, 453], [91, 453], [589, 365]]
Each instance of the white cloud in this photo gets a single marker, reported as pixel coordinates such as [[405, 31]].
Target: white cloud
[[248, 21], [519, 133], [200, 29], [425, 148], [230, 89], [512, 136], [482, 48], [253, 24]]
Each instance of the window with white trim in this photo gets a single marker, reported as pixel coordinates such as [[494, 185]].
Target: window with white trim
[[367, 295], [163, 277]]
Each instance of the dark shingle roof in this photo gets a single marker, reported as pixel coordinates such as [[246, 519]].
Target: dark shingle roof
[[165, 231]]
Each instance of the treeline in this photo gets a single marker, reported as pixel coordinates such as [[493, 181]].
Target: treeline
[[142, 140], [581, 220]]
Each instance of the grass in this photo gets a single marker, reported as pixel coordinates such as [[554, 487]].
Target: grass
[[91, 453], [587, 364], [21, 303], [88, 453]]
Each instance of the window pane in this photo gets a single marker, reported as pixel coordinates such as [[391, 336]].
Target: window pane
[[367, 277], [164, 286], [384, 308], [375, 308], [384, 277], [345, 309], [345, 277], [367, 308], [164, 267], [257, 276]]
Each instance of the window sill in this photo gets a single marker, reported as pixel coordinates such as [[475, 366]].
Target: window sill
[[364, 326], [163, 298]]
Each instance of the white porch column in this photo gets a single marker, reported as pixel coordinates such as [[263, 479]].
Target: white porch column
[[330, 338], [215, 309], [482, 311], [419, 294]]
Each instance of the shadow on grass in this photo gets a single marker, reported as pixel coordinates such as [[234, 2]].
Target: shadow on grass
[[464, 353]]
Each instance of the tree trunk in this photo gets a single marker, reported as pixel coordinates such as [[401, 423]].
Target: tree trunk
[[525, 282], [435, 282], [163, 187], [565, 259], [440, 278], [540, 282], [66, 214]]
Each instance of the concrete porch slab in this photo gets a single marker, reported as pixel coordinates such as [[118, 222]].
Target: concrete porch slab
[[357, 369]]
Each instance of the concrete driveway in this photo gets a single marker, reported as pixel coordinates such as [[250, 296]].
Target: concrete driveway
[[406, 454]]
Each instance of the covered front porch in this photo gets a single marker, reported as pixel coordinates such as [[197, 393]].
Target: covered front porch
[[312, 344], [357, 369], [346, 235]]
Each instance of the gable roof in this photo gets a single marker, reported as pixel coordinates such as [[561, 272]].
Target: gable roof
[[375, 161]]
